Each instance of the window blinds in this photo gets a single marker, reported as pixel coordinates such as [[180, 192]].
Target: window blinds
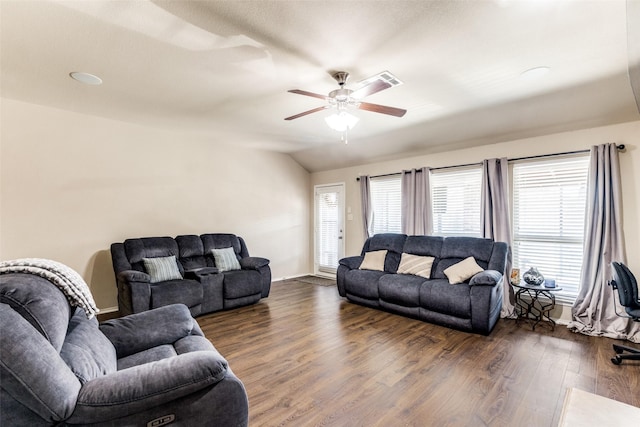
[[386, 204], [327, 227], [549, 199], [455, 201]]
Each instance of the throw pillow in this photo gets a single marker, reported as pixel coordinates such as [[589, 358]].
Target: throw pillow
[[416, 265], [464, 270], [374, 260], [226, 259], [162, 268]]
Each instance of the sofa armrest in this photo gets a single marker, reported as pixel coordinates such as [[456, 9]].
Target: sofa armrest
[[253, 263], [486, 278], [198, 273], [352, 262], [134, 276], [141, 331], [145, 386]]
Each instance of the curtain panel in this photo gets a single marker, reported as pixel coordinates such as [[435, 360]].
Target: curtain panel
[[496, 219], [365, 201], [416, 202], [594, 311]]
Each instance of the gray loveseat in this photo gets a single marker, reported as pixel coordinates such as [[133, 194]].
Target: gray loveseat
[[58, 367], [473, 305], [199, 283]]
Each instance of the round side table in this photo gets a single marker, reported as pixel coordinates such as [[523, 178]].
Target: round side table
[[536, 305]]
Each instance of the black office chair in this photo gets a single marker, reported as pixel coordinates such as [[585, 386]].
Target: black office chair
[[627, 286]]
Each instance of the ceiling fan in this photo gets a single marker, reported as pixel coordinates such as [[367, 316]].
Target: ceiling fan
[[343, 98]]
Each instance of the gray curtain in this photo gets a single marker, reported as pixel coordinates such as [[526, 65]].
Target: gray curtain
[[416, 202], [365, 201], [496, 219], [594, 311]]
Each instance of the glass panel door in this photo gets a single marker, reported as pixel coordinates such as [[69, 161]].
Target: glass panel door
[[329, 228]]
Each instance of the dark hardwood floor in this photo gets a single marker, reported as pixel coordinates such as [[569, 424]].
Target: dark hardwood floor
[[309, 358]]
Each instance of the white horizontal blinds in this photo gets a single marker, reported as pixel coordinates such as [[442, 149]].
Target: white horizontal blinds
[[549, 198], [455, 201], [328, 224], [386, 204]]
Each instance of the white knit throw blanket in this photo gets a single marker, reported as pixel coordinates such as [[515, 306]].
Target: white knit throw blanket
[[66, 279]]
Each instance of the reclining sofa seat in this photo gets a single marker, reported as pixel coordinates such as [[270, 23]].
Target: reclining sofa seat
[[202, 288], [472, 306], [58, 367]]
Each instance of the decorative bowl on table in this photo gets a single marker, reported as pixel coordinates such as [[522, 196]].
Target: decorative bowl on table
[[533, 277]]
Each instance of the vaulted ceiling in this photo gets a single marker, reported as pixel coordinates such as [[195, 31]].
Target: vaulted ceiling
[[223, 68]]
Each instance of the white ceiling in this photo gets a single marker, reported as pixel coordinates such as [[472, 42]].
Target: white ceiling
[[223, 68]]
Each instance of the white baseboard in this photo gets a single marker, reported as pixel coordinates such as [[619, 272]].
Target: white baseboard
[[291, 277], [108, 310]]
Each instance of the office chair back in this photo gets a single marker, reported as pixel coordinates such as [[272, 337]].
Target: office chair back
[[627, 287]]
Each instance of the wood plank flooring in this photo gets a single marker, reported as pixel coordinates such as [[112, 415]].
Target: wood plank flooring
[[309, 358]]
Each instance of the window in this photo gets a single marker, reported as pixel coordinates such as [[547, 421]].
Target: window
[[549, 199], [455, 202], [386, 204]]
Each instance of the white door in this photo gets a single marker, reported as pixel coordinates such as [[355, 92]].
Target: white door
[[329, 228]]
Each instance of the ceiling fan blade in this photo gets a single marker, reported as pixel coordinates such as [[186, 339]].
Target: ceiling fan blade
[[376, 108], [304, 92], [307, 112], [370, 88]]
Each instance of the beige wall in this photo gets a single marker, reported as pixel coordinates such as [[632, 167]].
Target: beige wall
[[72, 184], [626, 133]]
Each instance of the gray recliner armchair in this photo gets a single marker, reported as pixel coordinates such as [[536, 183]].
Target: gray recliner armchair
[[58, 367]]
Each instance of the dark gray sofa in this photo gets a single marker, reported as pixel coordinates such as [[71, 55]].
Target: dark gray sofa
[[58, 367], [201, 286], [472, 306]]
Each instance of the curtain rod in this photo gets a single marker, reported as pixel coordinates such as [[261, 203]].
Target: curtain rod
[[539, 156]]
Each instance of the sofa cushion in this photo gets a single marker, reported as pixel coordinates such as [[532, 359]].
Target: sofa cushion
[[187, 292], [149, 247], [486, 278], [463, 247], [162, 269], [192, 253], [86, 350], [225, 259], [423, 245], [164, 325], [438, 295], [39, 302], [149, 355], [416, 265], [400, 289], [241, 283], [221, 240], [385, 241], [33, 372], [463, 270], [374, 260], [363, 283]]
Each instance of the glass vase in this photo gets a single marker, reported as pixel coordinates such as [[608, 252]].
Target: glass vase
[[533, 277]]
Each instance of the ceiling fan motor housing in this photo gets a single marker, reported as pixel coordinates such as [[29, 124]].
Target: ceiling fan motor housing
[[341, 95], [341, 77]]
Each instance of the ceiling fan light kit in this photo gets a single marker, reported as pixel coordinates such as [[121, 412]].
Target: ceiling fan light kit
[[341, 121], [343, 98]]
